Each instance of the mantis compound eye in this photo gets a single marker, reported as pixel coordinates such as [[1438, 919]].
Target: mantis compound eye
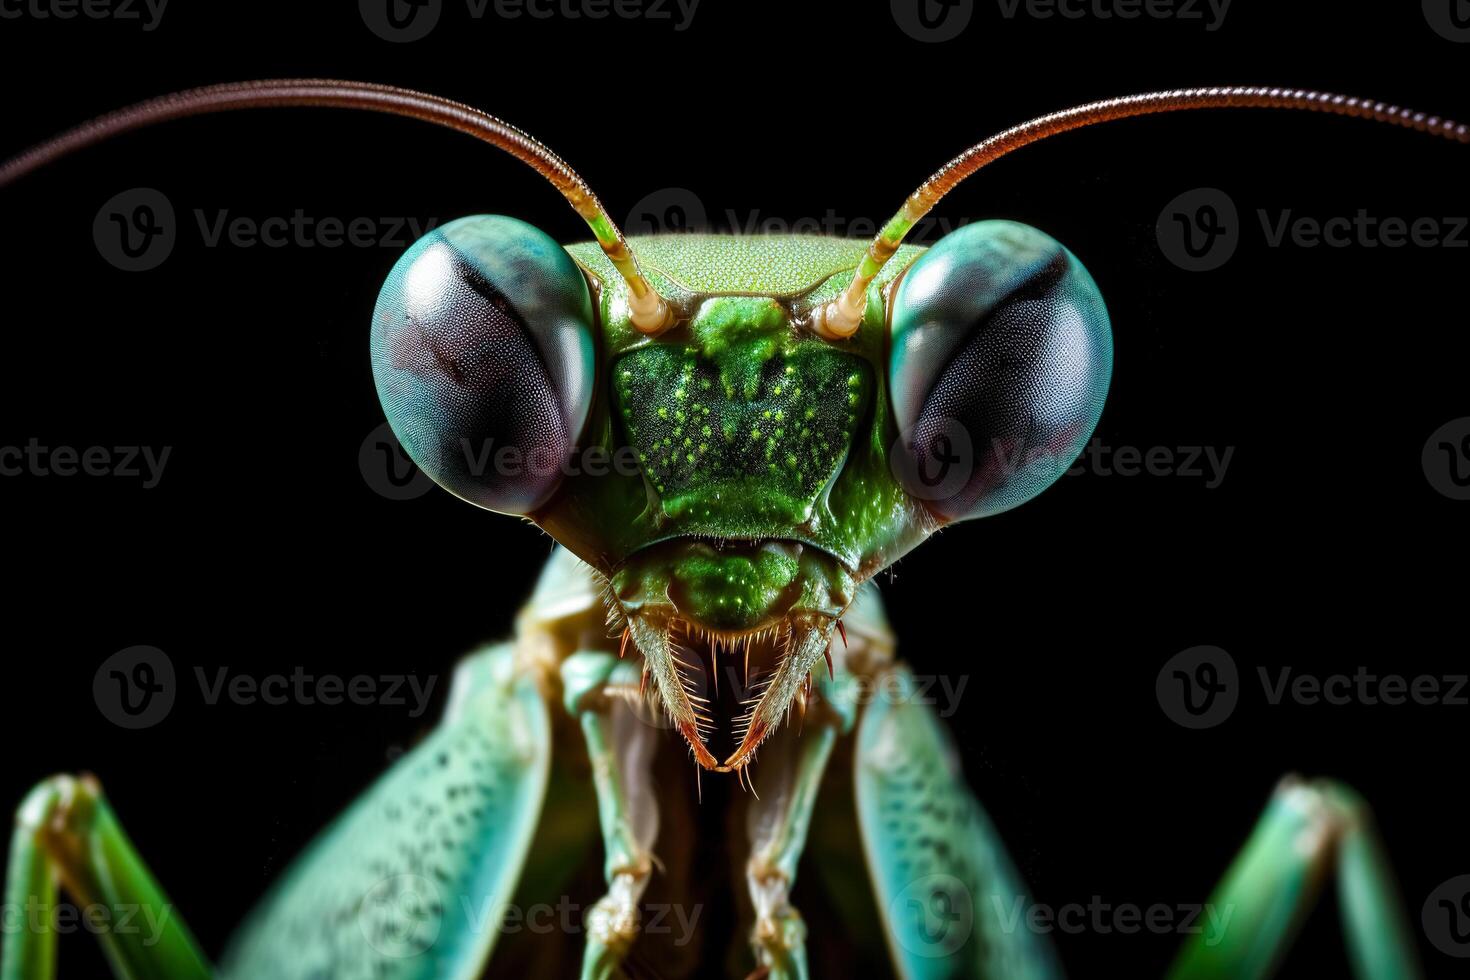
[[483, 357], [1000, 360]]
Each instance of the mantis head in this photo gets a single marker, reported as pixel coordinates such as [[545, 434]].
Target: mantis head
[[736, 475]]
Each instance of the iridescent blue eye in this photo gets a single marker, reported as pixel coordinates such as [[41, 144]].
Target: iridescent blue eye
[[1000, 361], [483, 356]]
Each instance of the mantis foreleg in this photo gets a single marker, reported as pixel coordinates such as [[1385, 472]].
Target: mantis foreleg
[[66, 832]]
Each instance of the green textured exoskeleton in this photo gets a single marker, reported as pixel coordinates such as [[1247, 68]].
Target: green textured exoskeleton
[[729, 437]]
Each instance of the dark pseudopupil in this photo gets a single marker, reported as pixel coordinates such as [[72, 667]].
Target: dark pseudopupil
[[709, 431], [1014, 388], [487, 382]]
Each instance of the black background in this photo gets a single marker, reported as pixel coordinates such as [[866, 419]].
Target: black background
[[263, 548]]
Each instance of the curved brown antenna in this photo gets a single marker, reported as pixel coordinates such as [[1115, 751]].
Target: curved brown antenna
[[650, 312], [840, 317]]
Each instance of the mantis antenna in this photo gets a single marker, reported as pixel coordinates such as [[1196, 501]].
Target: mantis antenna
[[840, 317], [651, 313]]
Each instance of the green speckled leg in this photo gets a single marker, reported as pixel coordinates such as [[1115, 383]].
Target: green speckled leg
[[415, 879], [66, 832], [945, 887], [620, 747], [1308, 832]]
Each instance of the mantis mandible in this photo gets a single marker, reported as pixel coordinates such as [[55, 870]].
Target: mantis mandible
[[795, 413]]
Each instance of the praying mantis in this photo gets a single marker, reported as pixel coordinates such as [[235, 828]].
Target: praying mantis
[[728, 438]]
